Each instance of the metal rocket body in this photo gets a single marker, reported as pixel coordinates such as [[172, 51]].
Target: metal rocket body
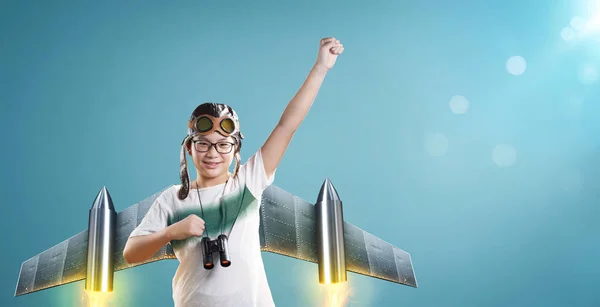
[[101, 244], [330, 235]]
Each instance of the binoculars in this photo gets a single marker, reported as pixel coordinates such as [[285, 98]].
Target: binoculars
[[210, 247]]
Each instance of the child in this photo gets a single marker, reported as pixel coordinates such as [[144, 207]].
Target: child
[[220, 210]]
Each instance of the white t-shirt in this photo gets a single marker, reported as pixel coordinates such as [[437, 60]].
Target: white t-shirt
[[244, 282]]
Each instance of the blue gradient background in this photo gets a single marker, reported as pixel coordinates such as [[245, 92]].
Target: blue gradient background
[[98, 94]]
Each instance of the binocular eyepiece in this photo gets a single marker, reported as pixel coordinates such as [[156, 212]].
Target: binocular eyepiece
[[218, 245]]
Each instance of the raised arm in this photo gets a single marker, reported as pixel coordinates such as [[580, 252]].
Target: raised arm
[[277, 143]]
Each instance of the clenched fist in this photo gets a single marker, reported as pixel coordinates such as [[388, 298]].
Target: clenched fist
[[329, 50], [190, 226]]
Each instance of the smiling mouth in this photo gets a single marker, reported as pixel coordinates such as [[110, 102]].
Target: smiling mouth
[[212, 164]]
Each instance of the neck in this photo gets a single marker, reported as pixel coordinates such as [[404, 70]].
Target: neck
[[202, 182]]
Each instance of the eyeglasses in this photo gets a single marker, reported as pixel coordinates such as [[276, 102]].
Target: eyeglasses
[[207, 124], [221, 147]]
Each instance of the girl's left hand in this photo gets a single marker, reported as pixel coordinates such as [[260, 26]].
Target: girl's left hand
[[328, 52]]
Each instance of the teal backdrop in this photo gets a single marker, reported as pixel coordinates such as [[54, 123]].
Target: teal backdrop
[[464, 133]]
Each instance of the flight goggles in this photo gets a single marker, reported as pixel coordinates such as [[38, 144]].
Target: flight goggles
[[206, 124]]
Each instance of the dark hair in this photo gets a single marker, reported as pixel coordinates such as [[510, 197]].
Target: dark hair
[[216, 110]]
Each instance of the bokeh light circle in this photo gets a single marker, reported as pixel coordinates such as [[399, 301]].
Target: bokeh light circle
[[516, 65], [504, 155], [459, 104]]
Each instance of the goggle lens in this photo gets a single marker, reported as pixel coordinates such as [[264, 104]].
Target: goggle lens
[[203, 124], [227, 125]]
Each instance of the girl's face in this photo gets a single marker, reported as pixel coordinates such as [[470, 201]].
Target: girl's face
[[212, 154]]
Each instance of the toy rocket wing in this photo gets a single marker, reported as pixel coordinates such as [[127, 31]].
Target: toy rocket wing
[[288, 227], [66, 262]]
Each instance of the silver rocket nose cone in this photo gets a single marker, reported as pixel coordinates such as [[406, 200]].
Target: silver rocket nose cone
[[103, 200], [328, 192]]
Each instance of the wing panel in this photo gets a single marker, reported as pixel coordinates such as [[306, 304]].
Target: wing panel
[[76, 261], [381, 258], [278, 222], [25, 284], [50, 266], [406, 274], [126, 223], [357, 259], [306, 220], [144, 205]]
